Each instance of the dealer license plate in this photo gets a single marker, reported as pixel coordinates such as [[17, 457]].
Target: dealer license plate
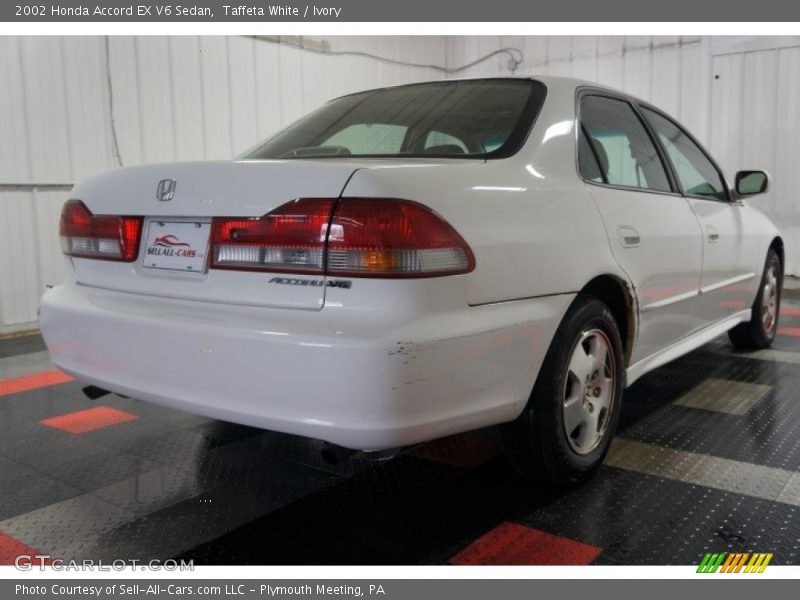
[[176, 246]]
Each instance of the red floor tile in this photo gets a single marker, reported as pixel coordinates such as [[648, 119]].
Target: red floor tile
[[32, 382], [789, 331], [11, 548], [512, 544], [790, 311], [733, 304], [465, 451], [90, 419]]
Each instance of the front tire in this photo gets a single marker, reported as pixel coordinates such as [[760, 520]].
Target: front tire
[[759, 332], [565, 431]]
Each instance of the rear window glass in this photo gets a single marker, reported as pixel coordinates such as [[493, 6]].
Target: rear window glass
[[437, 139], [474, 119], [369, 138]]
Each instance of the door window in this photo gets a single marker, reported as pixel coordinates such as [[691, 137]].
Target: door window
[[620, 151], [697, 174]]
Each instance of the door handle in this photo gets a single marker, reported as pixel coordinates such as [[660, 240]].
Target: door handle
[[628, 236], [712, 233]]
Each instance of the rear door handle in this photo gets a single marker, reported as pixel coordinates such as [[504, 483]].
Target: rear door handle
[[628, 236], [712, 233]]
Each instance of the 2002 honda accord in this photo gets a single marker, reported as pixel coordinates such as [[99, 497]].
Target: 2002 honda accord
[[415, 261]]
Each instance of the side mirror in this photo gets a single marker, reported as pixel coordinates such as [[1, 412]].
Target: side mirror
[[750, 183]]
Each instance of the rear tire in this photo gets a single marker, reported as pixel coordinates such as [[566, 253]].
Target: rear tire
[[565, 431], [759, 332]]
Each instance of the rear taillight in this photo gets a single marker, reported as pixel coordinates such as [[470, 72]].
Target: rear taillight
[[98, 236], [364, 238], [290, 239], [393, 238]]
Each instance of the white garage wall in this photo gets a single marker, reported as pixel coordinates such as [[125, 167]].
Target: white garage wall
[[176, 98], [739, 95]]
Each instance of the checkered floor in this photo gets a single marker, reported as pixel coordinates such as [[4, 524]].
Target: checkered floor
[[707, 459]]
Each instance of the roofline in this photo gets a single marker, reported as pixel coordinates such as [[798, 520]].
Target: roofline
[[434, 81], [547, 80]]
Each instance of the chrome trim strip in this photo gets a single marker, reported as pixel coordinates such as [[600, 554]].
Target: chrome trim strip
[[721, 284], [692, 294], [671, 300]]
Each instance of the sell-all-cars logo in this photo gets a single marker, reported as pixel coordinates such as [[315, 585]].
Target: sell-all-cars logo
[[170, 245], [169, 240], [734, 562]]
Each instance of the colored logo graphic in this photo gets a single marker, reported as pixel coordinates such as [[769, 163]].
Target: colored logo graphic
[[169, 240], [734, 562]]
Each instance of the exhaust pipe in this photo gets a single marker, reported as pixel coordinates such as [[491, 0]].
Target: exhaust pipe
[[336, 455]]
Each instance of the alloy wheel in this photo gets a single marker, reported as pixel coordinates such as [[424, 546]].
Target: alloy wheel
[[589, 391], [769, 300]]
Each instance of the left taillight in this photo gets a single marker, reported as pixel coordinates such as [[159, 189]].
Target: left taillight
[[107, 237], [356, 237], [289, 239]]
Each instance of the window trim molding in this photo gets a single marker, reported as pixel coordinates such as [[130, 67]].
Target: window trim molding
[[584, 91], [729, 198]]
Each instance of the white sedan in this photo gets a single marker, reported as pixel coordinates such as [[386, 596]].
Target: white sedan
[[416, 261]]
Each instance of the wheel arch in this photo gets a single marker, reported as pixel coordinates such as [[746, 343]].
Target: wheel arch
[[618, 295]]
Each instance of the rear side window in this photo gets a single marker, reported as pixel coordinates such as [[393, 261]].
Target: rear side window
[[697, 174], [616, 148]]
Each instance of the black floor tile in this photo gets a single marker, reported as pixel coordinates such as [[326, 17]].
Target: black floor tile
[[22, 344]]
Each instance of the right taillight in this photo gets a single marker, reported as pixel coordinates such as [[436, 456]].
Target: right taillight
[[376, 237], [364, 237]]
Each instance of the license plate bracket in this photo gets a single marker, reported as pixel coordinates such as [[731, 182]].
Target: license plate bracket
[[177, 245]]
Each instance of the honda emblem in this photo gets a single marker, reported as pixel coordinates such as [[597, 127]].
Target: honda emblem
[[166, 190]]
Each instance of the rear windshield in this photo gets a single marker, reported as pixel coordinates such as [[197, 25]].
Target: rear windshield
[[472, 119]]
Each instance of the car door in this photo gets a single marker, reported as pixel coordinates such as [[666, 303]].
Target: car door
[[728, 280], [653, 232]]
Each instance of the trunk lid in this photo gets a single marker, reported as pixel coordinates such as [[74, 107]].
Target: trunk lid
[[203, 190]]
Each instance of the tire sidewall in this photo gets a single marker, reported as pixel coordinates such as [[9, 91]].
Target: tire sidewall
[[772, 259], [546, 401]]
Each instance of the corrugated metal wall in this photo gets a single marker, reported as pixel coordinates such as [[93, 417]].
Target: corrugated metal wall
[[176, 98], [739, 95]]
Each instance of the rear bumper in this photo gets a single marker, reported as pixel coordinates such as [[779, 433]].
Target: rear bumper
[[363, 383]]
